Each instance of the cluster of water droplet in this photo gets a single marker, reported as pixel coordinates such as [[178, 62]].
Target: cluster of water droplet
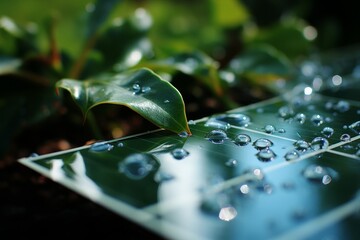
[[138, 89]]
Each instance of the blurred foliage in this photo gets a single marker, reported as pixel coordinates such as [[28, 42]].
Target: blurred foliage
[[215, 54]]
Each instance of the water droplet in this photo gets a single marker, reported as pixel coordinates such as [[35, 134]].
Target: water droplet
[[342, 106], [179, 153], [191, 122], [183, 134], [227, 213], [256, 173], [292, 155], [262, 143], [32, 155], [266, 155], [136, 88], [286, 112], [216, 136], [345, 137], [237, 119], [301, 145], [281, 130], [146, 89], [269, 128], [161, 177], [242, 139], [136, 166], [319, 174], [327, 131], [120, 144], [231, 162], [355, 127], [101, 147], [319, 143], [264, 187], [214, 123], [245, 189], [317, 120]]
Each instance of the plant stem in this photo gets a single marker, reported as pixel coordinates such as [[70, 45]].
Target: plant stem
[[80, 62]]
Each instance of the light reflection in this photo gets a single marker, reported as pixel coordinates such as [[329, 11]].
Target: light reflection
[[227, 213], [308, 91], [134, 57], [336, 80], [310, 33], [317, 83]]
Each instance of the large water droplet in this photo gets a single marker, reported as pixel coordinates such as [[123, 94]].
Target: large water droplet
[[266, 155], [355, 127], [136, 166], [327, 131], [345, 137], [319, 174], [319, 143], [215, 123], [179, 153], [227, 213], [216, 136], [269, 128], [101, 147], [242, 139], [237, 119], [286, 112], [342, 106], [301, 145], [262, 143], [183, 134], [317, 119], [292, 155], [300, 117], [136, 88]]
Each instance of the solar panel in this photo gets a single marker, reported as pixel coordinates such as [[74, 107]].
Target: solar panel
[[284, 168]]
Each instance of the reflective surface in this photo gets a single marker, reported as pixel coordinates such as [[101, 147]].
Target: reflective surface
[[289, 172]]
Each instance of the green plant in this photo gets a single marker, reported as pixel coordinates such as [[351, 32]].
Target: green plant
[[146, 67]]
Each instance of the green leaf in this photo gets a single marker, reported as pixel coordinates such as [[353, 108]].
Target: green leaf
[[125, 42], [141, 90], [196, 64], [98, 14], [287, 37], [229, 13], [261, 63]]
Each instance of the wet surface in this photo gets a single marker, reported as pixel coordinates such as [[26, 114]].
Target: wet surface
[[267, 170]]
